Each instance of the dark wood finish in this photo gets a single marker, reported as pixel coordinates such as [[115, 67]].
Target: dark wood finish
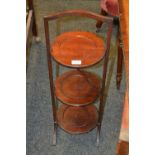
[[76, 120], [81, 13], [102, 95], [77, 88], [29, 22], [119, 46], [50, 71], [99, 23], [123, 148], [31, 28], [84, 47], [34, 27], [96, 17], [119, 60]]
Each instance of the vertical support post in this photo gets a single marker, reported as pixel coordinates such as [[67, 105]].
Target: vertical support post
[[50, 71], [119, 60], [34, 26], [102, 93]]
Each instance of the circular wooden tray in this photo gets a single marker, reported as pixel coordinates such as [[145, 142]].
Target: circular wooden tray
[[76, 120], [78, 49], [77, 88]]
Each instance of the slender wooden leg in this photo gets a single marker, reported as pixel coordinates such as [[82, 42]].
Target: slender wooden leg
[[102, 101], [54, 134], [102, 93], [119, 62], [99, 23], [53, 98], [50, 71]]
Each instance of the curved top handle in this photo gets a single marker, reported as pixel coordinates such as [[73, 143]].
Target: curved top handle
[[82, 13]]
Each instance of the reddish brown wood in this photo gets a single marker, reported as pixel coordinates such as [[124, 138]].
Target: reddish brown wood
[[50, 73], [99, 23], [84, 118], [123, 148], [77, 88], [85, 47], [77, 120], [102, 93], [124, 33], [82, 13]]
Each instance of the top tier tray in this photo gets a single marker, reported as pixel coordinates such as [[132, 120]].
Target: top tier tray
[[78, 49]]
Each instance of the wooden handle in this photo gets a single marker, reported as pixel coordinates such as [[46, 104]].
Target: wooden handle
[[82, 13]]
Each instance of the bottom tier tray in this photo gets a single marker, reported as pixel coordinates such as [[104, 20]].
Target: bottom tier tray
[[76, 120]]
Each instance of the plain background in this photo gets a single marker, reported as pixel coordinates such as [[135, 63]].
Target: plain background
[[13, 77]]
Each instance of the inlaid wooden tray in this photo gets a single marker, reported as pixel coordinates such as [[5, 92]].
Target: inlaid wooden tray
[[77, 120], [78, 49], [77, 88]]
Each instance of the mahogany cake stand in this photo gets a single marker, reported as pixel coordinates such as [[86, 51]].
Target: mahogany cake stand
[[77, 89]]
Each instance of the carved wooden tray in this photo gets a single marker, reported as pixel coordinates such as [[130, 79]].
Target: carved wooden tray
[[76, 120], [77, 88], [78, 49]]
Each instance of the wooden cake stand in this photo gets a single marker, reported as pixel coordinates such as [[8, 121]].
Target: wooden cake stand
[[77, 89]]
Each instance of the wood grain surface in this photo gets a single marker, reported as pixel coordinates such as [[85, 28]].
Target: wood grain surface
[[124, 28], [123, 145], [84, 47], [77, 88], [76, 120]]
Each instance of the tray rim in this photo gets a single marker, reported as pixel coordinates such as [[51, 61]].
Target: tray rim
[[78, 66], [78, 104], [76, 133]]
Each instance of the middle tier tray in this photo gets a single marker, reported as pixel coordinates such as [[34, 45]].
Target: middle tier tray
[[77, 88]]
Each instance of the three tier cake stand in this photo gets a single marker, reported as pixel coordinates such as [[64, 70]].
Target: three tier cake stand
[[77, 89]]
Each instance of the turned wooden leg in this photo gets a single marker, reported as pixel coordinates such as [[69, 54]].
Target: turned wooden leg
[[119, 62], [99, 23]]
